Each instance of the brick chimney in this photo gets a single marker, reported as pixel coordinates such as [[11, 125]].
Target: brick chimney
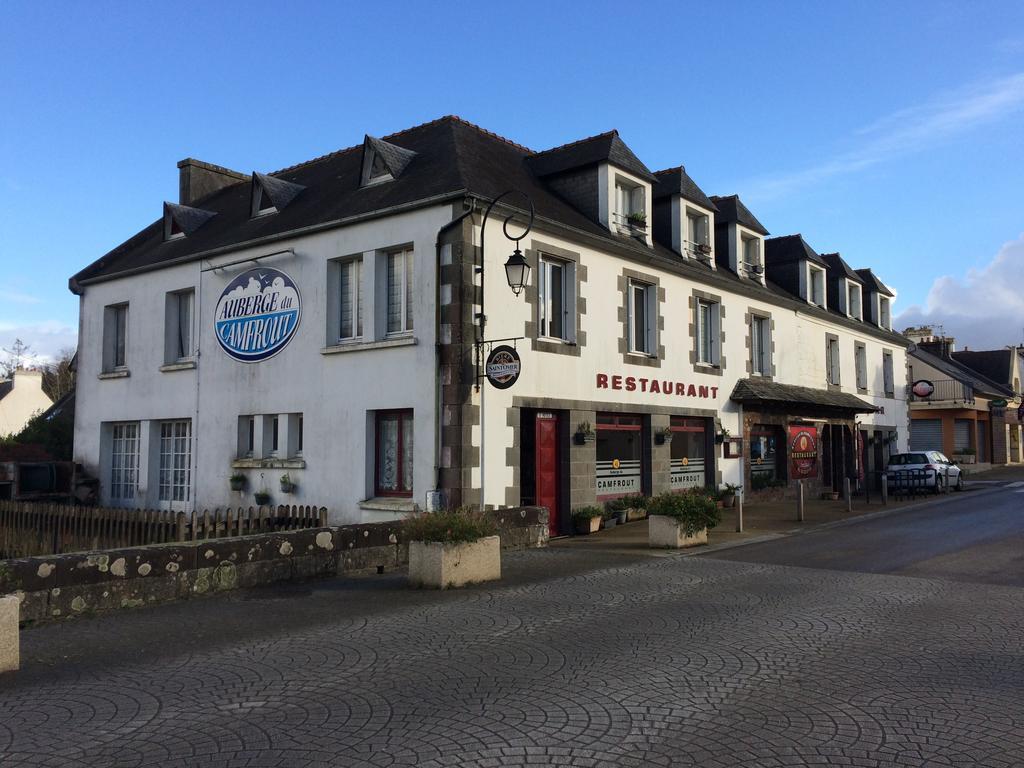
[[940, 346], [197, 179]]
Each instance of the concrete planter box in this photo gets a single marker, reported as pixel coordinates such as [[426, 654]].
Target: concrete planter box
[[667, 533], [633, 514], [9, 649], [962, 458], [439, 565], [587, 525]]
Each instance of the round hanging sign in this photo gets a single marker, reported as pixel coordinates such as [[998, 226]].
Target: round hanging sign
[[503, 367], [923, 388], [257, 314]]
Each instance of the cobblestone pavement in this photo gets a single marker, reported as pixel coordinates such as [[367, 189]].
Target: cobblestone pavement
[[652, 662]]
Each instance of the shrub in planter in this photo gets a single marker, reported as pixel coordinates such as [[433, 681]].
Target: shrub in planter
[[452, 548], [618, 510], [287, 486], [262, 497], [681, 519], [728, 495], [237, 482], [587, 520]]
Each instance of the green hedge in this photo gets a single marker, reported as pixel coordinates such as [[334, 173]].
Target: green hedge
[[451, 526], [694, 509]]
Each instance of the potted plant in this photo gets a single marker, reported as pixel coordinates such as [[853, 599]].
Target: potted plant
[[722, 436], [637, 219], [237, 481], [262, 497], [608, 517], [619, 509], [584, 433], [966, 456], [704, 248], [678, 520], [663, 435], [587, 520], [452, 548], [728, 495], [287, 486], [635, 505]]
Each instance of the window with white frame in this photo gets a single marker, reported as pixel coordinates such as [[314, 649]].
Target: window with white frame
[[350, 286], [272, 435], [641, 317], [861, 363], [698, 240], [884, 313], [832, 360], [888, 381], [124, 460], [399, 291], [247, 437], [853, 300], [178, 332], [816, 285], [175, 479], [760, 345], [115, 337], [707, 326], [262, 205], [630, 206], [752, 255], [556, 285]]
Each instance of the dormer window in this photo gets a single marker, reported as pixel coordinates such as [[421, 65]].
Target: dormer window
[[884, 313], [752, 256], [174, 230], [630, 214], [698, 237], [383, 161], [853, 301], [271, 194], [181, 220], [816, 286], [262, 205]]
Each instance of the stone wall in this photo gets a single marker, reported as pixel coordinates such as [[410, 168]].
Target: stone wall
[[59, 586]]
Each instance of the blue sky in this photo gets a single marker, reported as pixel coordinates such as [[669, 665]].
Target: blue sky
[[891, 132]]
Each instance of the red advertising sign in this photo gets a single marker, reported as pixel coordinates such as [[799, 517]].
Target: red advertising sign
[[803, 452]]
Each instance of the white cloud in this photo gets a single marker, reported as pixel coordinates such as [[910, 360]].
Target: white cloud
[[19, 298], [45, 339], [906, 131], [984, 309]]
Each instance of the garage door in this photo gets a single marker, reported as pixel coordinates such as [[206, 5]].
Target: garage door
[[962, 434], [926, 435]]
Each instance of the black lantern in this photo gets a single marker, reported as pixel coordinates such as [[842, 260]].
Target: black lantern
[[517, 270]]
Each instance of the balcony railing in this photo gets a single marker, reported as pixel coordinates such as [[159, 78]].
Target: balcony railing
[[946, 391], [629, 225], [697, 250]]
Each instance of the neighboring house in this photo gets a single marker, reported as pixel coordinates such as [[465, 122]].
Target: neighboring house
[[1004, 366], [21, 398], [320, 322], [951, 404]]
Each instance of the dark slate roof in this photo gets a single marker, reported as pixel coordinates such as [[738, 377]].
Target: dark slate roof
[[731, 208], [454, 158], [789, 248], [676, 181], [760, 391], [280, 192], [873, 283], [840, 268], [956, 370], [395, 158], [993, 364], [187, 218], [5, 387], [605, 147]]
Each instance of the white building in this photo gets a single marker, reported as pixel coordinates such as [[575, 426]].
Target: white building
[[320, 322], [21, 398]]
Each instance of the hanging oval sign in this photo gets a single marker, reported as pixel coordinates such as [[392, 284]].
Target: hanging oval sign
[[503, 367], [257, 314], [923, 388]]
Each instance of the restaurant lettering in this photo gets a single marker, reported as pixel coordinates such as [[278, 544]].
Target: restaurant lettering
[[655, 386]]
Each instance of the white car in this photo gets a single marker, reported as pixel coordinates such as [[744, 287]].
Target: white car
[[939, 473]]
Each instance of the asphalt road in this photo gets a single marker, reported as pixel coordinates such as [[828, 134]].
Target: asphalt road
[[975, 536], [574, 658]]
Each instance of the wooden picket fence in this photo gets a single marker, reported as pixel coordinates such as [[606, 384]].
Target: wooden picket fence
[[28, 529]]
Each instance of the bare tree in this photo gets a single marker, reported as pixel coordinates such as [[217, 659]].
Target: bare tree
[[59, 376], [18, 353]]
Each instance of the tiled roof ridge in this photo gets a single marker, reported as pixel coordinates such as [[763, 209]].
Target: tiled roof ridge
[[397, 134], [612, 132], [670, 170]]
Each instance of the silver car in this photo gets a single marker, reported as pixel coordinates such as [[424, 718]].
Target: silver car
[[937, 473]]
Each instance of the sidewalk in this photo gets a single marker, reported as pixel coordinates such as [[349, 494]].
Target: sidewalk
[[760, 521]]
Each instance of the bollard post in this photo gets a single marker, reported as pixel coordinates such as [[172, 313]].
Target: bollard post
[[885, 489], [849, 494], [739, 512], [800, 501]]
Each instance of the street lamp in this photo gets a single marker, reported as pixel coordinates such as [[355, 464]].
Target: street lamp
[[517, 270]]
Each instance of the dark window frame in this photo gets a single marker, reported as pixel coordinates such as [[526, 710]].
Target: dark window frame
[[379, 418]]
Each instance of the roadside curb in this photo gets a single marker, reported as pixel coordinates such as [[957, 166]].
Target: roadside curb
[[944, 499]]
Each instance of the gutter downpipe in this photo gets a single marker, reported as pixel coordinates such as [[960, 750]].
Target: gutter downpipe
[[439, 405]]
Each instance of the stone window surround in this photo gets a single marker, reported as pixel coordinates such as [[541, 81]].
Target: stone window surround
[[838, 386], [859, 346], [532, 328], [637, 358], [703, 368], [887, 353], [748, 321]]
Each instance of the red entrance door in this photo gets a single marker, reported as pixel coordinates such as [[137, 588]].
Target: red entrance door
[[546, 468]]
